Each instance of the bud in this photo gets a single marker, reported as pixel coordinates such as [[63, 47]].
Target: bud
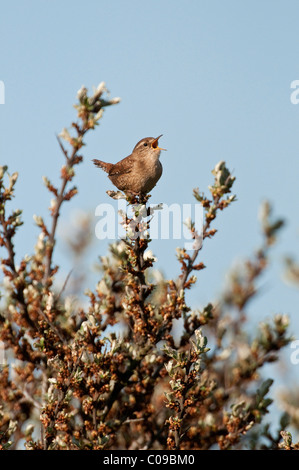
[[99, 115], [38, 220], [149, 255], [82, 93], [14, 177], [2, 171], [100, 89], [64, 134], [169, 366], [115, 100]]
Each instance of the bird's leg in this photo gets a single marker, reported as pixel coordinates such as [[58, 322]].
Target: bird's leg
[[132, 197], [143, 198]]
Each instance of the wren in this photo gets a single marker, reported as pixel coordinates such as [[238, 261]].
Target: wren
[[139, 172]]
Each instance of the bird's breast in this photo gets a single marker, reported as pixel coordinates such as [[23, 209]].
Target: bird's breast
[[151, 171]]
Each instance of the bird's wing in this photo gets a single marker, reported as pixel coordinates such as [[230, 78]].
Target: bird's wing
[[122, 167]]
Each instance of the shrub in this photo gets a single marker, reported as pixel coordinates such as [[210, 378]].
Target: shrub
[[111, 375]]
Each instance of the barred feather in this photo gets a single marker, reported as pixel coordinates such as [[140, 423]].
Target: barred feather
[[105, 166]]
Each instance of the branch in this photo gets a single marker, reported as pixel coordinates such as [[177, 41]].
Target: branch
[[222, 186]]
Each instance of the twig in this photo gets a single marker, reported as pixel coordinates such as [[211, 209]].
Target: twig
[[64, 285], [183, 278], [133, 420], [28, 398], [59, 201], [62, 147], [8, 244], [53, 327]]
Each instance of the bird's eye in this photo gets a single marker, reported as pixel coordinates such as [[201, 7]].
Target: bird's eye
[[145, 144]]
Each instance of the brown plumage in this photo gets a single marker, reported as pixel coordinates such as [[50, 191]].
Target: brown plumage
[[139, 172]]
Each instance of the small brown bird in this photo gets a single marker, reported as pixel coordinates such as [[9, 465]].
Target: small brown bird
[[139, 172]]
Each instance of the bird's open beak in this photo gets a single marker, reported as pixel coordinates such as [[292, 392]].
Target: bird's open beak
[[154, 143]]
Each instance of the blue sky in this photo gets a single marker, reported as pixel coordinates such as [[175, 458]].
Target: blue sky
[[214, 77]]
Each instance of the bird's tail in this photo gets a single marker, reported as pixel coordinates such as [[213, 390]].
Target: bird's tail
[[105, 166]]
